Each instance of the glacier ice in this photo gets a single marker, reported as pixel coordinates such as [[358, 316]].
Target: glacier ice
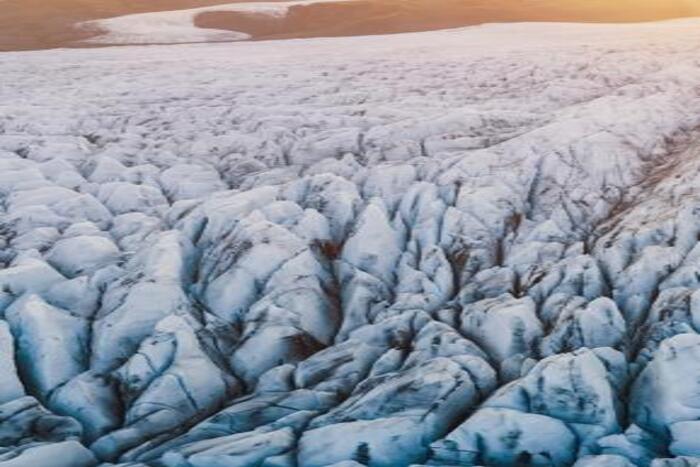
[[467, 247]]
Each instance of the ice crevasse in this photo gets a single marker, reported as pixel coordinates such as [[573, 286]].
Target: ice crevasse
[[277, 254]]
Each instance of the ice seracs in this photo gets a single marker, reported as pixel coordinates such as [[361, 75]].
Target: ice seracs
[[289, 257]]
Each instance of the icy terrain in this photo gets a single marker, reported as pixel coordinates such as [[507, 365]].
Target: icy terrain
[[178, 26], [469, 247]]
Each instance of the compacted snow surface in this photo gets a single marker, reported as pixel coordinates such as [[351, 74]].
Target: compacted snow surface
[[468, 247]]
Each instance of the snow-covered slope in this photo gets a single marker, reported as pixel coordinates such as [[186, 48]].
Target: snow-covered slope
[[178, 26], [469, 247]]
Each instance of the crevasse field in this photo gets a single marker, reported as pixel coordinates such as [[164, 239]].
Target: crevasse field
[[457, 248]]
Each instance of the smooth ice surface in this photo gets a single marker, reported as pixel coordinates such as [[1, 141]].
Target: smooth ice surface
[[467, 247]]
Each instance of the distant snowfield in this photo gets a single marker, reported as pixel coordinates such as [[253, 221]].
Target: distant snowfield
[[469, 247], [177, 27]]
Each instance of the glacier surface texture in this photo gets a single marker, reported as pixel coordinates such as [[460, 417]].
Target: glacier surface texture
[[456, 248]]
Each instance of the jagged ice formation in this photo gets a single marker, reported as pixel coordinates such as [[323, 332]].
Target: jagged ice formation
[[459, 248]]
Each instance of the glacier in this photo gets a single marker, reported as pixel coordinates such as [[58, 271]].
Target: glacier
[[469, 247], [178, 26]]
